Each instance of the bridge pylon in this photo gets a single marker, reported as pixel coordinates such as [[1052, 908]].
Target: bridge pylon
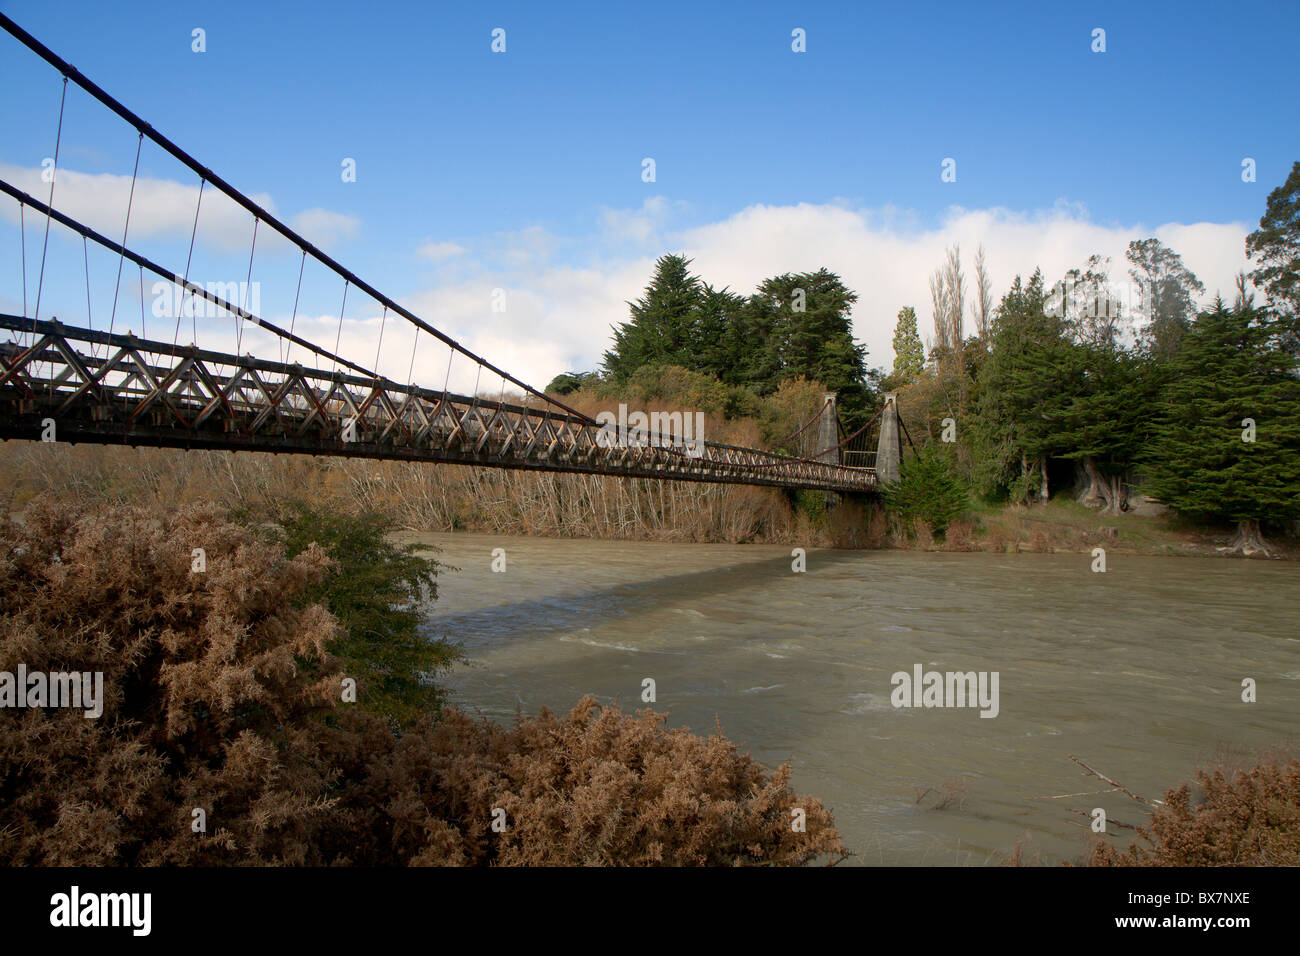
[[889, 447], [828, 435]]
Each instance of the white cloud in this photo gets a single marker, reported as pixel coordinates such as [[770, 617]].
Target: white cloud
[[640, 227], [325, 228], [558, 317], [559, 309], [890, 269], [438, 251], [159, 207]]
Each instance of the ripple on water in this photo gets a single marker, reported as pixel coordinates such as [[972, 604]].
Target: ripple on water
[[868, 703]]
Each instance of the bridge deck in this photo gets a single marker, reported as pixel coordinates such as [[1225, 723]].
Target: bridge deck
[[144, 392]]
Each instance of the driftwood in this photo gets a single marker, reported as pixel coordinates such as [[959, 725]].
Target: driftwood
[[1118, 786]]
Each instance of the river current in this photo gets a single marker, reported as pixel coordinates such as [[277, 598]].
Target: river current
[[1137, 671]]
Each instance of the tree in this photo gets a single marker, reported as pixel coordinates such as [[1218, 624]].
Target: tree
[[1024, 385], [928, 490], [1102, 422], [909, 353], [1166, 292], [568, 382], [1276, 245], [721, 337], [375, 590], [982, 307], [808, 332], [664, 325], [1093, 313], [948, 296], [1226, 442]]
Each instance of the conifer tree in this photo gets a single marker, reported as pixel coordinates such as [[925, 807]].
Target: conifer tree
[[664, 325], [909, 353], [1226, 441]]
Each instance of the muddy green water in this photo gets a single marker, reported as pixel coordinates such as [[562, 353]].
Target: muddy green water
[[1137, 671]]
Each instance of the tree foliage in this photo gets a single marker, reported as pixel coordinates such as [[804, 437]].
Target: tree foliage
[[909, 353], [795, 324], [1233, 366], [1276, 246], [376, 590], [927, 489], [1167, 293]]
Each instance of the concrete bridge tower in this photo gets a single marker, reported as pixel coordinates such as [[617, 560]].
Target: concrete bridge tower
[[828, 437], [889, 449]]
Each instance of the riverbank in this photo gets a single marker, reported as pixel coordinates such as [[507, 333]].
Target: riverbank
[[443, 498], [1065, 526]]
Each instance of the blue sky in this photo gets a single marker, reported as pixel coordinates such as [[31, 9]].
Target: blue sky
[[522, 170]]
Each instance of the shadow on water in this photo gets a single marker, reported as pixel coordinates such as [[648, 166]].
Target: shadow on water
[[565, 612]]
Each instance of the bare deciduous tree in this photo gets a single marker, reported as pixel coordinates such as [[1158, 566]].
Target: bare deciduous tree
[[982, 307], [939, 305]]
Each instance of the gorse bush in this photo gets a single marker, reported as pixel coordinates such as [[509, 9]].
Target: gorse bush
[[928, 490], [221, 694], [1242, 818]]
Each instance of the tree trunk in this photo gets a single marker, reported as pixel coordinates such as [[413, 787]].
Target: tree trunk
[[1117, 499], [1094, 494], [1248, 541], [1042, 493]]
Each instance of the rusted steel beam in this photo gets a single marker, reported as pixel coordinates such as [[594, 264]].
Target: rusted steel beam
[[214, 400]]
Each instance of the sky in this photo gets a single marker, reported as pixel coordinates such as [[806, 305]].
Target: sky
[[504, 197]]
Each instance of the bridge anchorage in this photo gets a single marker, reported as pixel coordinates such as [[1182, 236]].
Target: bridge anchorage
[[108, 387]]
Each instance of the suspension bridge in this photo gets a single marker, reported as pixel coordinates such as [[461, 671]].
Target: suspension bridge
[[73, 382]]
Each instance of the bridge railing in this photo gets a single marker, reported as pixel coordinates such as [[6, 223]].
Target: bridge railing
[[147, 392]]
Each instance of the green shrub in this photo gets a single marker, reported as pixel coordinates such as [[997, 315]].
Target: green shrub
[[927, 489], [374, 589]]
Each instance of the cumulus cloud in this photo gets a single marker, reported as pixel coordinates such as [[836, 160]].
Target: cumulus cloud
[[160, 208], [562, 293], [325, 228], [640, 227], [890, 268], [558, 317], [439, 251]]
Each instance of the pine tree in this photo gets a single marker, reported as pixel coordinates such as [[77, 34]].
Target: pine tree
[[1025, 384], [721, 342], [927, 489], [664, 327], [1226, 441], [909, 353], [806, 320]]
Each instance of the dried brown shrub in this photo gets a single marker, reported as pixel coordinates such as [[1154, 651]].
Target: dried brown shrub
[[600, 787], [960, 536], [1242, 818], [220, 694]]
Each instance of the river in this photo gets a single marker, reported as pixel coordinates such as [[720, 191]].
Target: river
[[1137, 671]]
